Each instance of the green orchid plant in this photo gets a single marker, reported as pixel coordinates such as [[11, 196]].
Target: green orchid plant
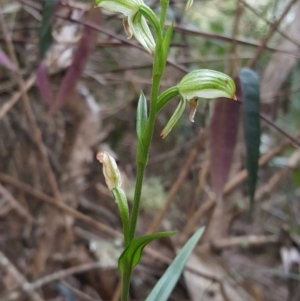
[[197, 84]]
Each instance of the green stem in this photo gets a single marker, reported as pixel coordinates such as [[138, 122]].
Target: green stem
[[122, 204], [146, 140], [125, 284], [136, 199], [166, 96]]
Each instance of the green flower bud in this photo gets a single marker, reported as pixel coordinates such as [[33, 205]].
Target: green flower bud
[[110, 170]]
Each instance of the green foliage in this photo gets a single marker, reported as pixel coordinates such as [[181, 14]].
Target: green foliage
[[167, 282], [132, 254]]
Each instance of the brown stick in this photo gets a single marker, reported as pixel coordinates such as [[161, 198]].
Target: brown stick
[[80, 294], [20, 279], [253, 240], [52, 278], [178, 28], [242, 175], [15, 205], [190, 225], [233, 183], [29, 113], [16, 96], [272, 30], [59, 205], [259, 15], [271, 185]]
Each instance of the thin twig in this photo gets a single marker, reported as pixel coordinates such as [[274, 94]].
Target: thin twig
[[51, 278], [59, 205], [232, 184], [16, 96], [15, 205], [180, 28], [249, 240], [242, 175], [235, 65], [19, 278], [29, 113], [280, 130], [80, 294], [272, 30], [253, 10]]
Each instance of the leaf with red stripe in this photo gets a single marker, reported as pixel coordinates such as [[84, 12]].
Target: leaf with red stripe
[[86, 45], [223, 137]]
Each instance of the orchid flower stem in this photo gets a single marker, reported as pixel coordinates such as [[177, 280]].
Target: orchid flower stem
[[125, 285], [141, 167], [156, 79]]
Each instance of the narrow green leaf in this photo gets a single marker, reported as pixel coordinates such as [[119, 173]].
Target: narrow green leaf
[[141, 116], [251, 103], [167, 41], [141, 125], [167, 282], [45, 32], [132, 254]]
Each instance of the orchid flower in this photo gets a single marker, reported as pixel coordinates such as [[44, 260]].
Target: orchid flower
[[134, 22], [196, 84]]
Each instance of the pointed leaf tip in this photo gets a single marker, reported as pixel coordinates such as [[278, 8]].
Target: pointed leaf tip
[[167, 282]]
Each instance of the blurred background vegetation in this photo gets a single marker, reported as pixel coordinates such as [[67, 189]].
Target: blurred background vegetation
[[56, 213]]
